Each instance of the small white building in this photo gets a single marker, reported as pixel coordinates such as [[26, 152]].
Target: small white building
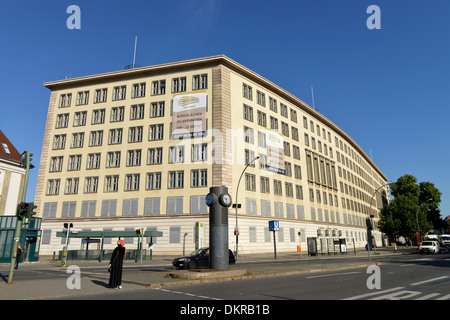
[[12, 176]]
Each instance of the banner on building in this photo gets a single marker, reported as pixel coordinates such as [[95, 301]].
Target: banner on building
[[275, 152], [189, 115]]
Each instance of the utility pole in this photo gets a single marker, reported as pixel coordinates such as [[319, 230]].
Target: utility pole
[[27, 158]]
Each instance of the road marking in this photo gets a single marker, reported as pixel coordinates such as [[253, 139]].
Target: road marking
[[373, 293], [428, 296], [187, 294], [333, 274], [431, 280]]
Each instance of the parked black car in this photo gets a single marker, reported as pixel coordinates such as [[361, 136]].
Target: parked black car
[[198, 259]]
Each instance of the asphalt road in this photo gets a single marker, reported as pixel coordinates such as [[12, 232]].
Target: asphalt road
[[408, 277]]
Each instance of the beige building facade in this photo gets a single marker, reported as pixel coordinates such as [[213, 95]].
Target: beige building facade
[[140, 148]]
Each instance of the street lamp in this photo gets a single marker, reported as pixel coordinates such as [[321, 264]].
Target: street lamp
[[369, 245], [236, 232]]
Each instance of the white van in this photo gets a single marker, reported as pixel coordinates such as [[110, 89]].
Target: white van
[[430, 246]]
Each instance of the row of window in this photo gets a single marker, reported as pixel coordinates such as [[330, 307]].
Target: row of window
[[138, 90], [137, 111], [115, 136], [133, 158], [153, 181], [359, 166], [175, 205]]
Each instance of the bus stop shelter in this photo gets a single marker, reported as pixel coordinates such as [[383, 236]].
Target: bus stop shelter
[[91, 236]]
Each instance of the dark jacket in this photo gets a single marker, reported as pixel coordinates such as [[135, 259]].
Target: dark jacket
[[116, 262]]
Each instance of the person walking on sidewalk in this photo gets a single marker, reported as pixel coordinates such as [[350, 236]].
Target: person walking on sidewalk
[[116, 265], [18, 255]]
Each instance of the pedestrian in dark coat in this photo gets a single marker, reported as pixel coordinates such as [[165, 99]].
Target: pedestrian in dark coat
[[116, 265], [18, 255]]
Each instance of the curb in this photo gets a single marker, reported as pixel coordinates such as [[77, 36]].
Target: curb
[[245, 275]]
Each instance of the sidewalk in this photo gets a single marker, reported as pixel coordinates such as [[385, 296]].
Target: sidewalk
[[136, 276]]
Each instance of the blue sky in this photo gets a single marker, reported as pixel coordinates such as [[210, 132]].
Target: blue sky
[[388, 88]]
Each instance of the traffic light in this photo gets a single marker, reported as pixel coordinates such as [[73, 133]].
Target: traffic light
[[30, 212], [25, 211], [22, 210]]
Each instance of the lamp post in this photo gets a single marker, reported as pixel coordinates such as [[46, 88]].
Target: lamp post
[[369, 245], [236, 232]]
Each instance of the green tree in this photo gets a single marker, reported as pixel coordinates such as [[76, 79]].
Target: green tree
[[414, 208]]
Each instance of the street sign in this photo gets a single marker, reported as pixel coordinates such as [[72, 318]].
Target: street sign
[[274, 225]]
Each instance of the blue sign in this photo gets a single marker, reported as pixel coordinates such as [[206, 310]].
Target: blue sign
[[274, 225]]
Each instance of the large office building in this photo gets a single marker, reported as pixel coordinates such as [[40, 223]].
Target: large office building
[[140, 148]]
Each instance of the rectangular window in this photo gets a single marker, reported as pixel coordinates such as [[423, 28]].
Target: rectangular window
[[251, 206], [176, 154], [77, 140], [93, 160], [82, 98], [199, 152], [112, 183], [135, 134], [88, 209], [96, 138], [250, 182], [262, 119], [113, 159], [91, 185], [130, 207], [277, 189], [152, 206], [74, 162], [132, 182], [174, 205], [80, 119], [68, 209], [155, 156], [156, 132], [200, 81], [157, 109], [119, 93], [59, 141], [53, 187], [109, 208], [248, 113], [137, 111], [72, 185], [62, 120], [56, 164], [115, 136], [101, 95], [153, 181], [198, 205], [138, 90], [159, 87], [65, 100], [117, 114], [199, 178], [260, 98], [174, 234], [179, 84], [134, 157], [176, 179], [98, 116], [247, 91]]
